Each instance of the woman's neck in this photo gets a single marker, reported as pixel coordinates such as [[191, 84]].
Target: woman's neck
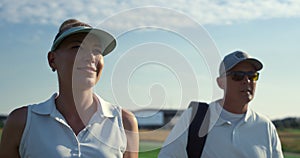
[[77, 104]]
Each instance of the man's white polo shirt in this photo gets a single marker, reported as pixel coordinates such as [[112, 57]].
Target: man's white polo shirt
[[254, 136]]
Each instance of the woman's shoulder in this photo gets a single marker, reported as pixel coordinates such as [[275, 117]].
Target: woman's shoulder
[[14, 127], [17, 118]]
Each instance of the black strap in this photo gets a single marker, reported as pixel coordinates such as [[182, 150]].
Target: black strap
[[195, 144]]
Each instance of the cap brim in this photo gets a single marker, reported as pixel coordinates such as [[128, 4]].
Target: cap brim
[[108, 42], [256, 63]]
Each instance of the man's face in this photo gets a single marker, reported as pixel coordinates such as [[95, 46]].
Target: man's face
[[241, 92]]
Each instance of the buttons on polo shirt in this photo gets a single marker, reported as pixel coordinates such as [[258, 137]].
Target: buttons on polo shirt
[[76, 151], [83, 133], [228, 123], [75, 142]]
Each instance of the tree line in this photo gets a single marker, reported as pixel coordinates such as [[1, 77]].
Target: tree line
[[290, 122]]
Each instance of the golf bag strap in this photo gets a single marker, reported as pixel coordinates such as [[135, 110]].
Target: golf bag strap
[[195, 144]]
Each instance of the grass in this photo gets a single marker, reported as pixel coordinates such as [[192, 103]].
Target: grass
[[149, 154], [288, 155], [290, 139], [149, 149], [0, 133]]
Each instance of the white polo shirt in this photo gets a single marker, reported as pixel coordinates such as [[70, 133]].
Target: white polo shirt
[[48, 135], [254, 136]]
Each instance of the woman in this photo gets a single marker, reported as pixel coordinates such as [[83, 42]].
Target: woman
[[74, 122]]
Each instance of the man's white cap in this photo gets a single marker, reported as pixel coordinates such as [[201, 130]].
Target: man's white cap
[[236, 57]]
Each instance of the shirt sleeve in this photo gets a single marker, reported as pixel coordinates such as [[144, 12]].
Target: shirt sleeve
[[175, 144], [276, 144]]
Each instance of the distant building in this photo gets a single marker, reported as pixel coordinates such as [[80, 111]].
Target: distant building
[[157, 118]]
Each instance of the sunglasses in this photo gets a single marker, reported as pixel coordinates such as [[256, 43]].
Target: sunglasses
[[240, 75]]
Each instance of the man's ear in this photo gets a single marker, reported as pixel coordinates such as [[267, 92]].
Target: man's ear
[[51, 57], [221, 82]]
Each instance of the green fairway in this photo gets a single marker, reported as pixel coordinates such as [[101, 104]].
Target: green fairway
[[291, 155], [290, 139], [149, 149], [149, 154], [0, 133]]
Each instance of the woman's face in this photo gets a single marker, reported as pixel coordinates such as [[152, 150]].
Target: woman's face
[[79, 60]]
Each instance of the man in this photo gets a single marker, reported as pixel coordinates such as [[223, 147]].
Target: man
[[234, 129]]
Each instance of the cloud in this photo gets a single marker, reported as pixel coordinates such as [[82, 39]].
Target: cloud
[[203, 11]]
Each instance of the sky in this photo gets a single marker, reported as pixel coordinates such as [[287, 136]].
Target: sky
[[167, 53]]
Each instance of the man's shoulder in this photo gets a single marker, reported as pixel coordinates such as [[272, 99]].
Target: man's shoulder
[[259, 117]]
